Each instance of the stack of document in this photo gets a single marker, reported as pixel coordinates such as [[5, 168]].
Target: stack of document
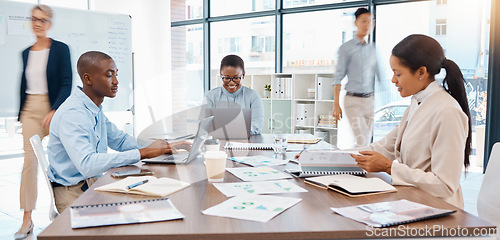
[[320, 162]]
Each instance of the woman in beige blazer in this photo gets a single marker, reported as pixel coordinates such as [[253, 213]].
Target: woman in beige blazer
[[432, 144]]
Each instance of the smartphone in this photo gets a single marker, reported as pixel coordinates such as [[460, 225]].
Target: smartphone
[[136, 172]]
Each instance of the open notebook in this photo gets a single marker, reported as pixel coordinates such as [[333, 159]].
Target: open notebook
[[352, 186], [158, 187]]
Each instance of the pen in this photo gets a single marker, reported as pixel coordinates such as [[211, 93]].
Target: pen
[[137, 184], [305, 148]]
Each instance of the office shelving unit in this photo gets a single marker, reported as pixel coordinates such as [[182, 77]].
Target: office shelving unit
[[281, 110]]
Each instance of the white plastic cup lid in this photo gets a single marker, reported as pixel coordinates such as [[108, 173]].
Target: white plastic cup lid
[[212, 141], [215, 154]]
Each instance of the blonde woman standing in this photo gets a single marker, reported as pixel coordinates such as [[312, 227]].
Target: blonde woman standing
[[45, 84]]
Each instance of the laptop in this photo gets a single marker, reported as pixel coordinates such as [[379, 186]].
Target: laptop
[[185, 157], [230, 123]]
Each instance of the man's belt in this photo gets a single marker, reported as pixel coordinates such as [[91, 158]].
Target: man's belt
[[84, 187], [363, 95]]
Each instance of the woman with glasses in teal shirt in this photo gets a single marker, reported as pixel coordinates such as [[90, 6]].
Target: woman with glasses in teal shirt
[[232, 72]]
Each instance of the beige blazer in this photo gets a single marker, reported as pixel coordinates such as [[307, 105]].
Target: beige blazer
[[432, 154]]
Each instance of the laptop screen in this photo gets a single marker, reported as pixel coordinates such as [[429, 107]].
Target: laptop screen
[[230, 123], [201, 135]]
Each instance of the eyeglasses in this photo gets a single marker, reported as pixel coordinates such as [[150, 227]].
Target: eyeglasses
[[234, 79], [41, 20]]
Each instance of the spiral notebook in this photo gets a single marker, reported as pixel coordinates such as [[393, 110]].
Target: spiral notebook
[[386, 214], [153, 210], [249, 146], [326, 162]]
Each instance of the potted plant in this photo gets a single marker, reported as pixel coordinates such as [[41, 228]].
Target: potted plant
[[267, 90]]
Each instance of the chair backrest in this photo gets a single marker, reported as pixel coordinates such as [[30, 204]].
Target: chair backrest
[[36, 144], [488, 201]]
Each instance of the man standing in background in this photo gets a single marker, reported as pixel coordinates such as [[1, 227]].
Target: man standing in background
[[358, 60]]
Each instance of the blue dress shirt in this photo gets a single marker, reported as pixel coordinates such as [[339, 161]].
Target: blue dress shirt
[[358, 61], [246, 98], [80, 134]]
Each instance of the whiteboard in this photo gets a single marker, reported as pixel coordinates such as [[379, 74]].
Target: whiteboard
[[82, 31]]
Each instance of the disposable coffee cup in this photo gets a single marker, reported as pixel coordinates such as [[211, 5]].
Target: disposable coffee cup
[[215, 164]]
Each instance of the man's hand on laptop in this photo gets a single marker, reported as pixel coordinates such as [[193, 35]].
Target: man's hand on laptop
[[155, 149], [174, 146]]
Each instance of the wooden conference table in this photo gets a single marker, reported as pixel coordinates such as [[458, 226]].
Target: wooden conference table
[[309, 219]]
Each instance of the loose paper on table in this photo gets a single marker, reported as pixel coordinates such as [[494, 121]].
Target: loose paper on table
[[260, 208], [257, 173], [265, 187]]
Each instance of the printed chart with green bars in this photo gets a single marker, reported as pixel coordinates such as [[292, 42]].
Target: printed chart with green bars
[[260, 208], [257, 173], [262, 187]]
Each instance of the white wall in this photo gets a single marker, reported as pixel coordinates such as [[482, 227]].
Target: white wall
[[151, 41]]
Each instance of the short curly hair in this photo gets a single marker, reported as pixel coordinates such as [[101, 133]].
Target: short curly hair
[[233, 61]]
